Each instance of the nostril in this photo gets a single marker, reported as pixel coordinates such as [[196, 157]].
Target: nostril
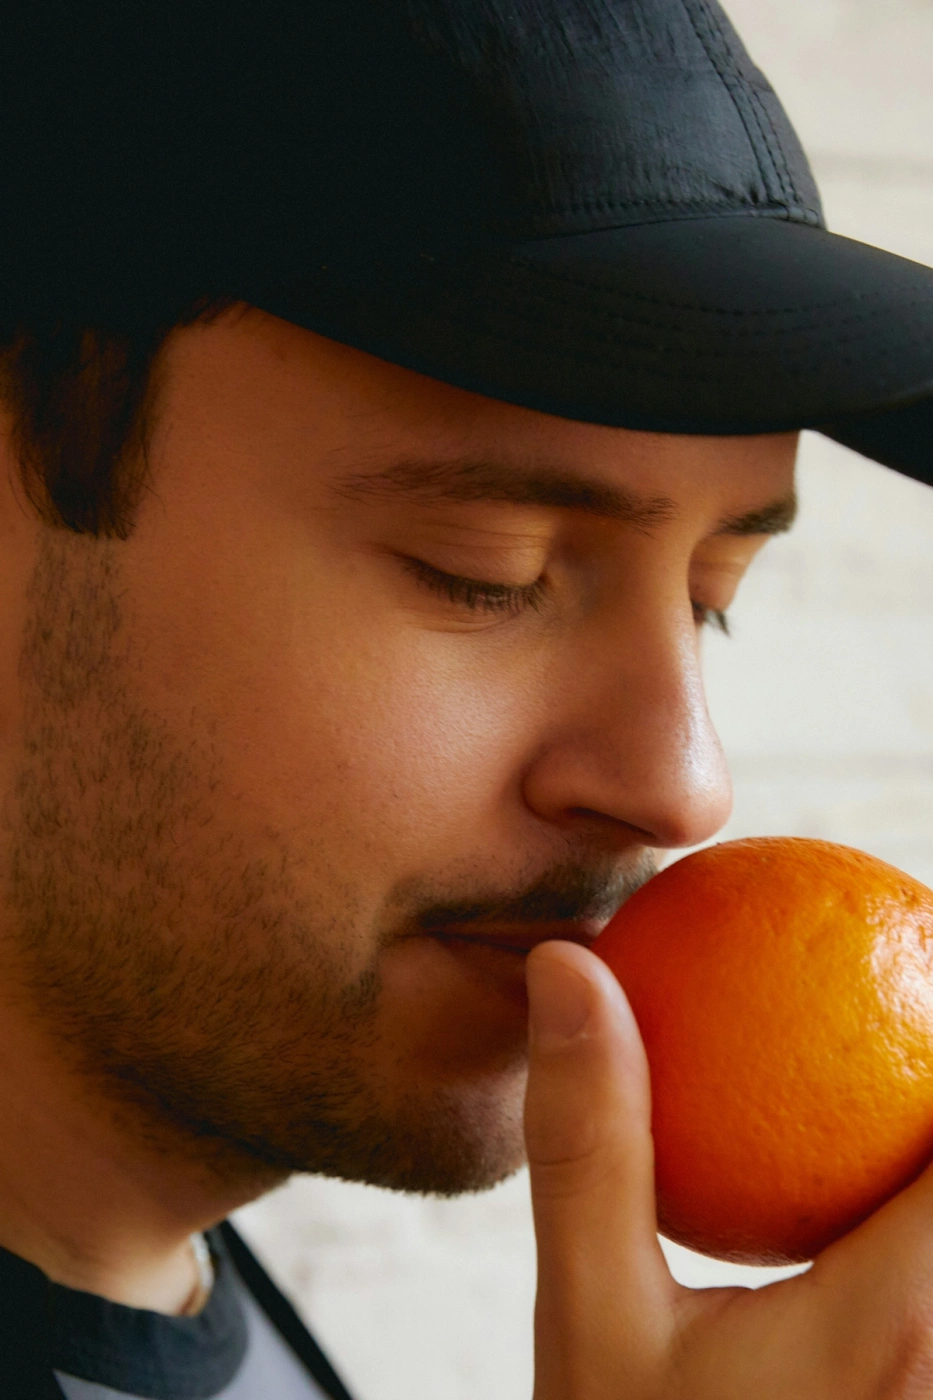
[[604, 821]]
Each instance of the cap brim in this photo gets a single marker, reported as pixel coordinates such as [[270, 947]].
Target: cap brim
[[726, 325]]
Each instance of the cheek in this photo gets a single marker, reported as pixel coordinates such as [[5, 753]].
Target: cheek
[[394, 739], [336, 717]]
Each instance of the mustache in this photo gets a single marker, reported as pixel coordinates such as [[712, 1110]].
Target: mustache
[[566, 894]]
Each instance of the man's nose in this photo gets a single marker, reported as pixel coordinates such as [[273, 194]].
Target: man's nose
[[630, 745]]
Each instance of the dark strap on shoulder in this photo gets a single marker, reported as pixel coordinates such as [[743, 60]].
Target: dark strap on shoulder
[[25, 1369], [282, 1315]]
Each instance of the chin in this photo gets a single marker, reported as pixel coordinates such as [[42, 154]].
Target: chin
[[460, 1141], [426, 1135], [445, 1141]]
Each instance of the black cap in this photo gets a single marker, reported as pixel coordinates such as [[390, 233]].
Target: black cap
[[596, 208]]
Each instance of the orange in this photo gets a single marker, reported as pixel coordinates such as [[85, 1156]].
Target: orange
[[784, 991]]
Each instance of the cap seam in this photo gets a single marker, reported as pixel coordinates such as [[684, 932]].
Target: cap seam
[[593, 206], [727, 80], [607, 338], [736, 312], [775, 147], [761, 114], [656, 371], [748, 333], [893, 395]]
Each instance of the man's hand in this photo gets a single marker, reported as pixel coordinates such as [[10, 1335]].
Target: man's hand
[[611, 1323]]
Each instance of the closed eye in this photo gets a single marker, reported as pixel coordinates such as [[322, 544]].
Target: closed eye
[[486, 596], [479, 595], [711, 617]]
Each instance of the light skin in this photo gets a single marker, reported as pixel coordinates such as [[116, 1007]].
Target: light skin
[[287, 799], [390, 684]]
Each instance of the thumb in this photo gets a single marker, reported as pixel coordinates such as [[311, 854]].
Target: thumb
[[602, 1279]]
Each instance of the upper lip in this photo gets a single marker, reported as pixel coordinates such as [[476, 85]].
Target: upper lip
[[521, 938]]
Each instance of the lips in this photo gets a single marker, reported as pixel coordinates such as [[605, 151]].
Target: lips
[[519, 939]]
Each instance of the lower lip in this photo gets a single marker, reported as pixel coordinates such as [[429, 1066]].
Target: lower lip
[[490, 964], [453, 940], [585, 932]]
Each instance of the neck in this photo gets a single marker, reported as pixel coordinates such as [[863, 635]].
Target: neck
[[97, 1202]]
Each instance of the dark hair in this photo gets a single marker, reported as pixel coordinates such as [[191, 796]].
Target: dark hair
[[80, 397]]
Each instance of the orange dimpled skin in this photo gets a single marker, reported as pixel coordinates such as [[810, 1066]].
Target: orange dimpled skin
[[784, 990]]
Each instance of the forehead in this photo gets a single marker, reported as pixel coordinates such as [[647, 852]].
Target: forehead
[[398, 433], [379, 431]]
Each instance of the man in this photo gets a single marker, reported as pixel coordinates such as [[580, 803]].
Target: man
[[393, 392]]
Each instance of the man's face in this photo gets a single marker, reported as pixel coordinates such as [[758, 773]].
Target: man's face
[[390, 682]]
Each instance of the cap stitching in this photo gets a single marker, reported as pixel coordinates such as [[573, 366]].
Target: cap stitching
[[742, 201], [776, 148], [831, 331], [736, 312], [680, 372], [761, 115], [745, 333], [773, 146], [656, 371], [729, 87]]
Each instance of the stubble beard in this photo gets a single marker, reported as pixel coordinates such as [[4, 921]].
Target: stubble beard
[[180, 969]]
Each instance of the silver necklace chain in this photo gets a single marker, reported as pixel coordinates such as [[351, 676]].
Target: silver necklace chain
[[205, 1268]]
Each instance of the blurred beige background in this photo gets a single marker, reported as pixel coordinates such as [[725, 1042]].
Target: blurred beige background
[[824, 698]]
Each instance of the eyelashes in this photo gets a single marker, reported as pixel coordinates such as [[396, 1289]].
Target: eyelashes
[[712, 617], [476, 594], [511, 599]]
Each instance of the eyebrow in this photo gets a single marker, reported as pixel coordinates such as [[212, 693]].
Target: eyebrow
[[469, 480]]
